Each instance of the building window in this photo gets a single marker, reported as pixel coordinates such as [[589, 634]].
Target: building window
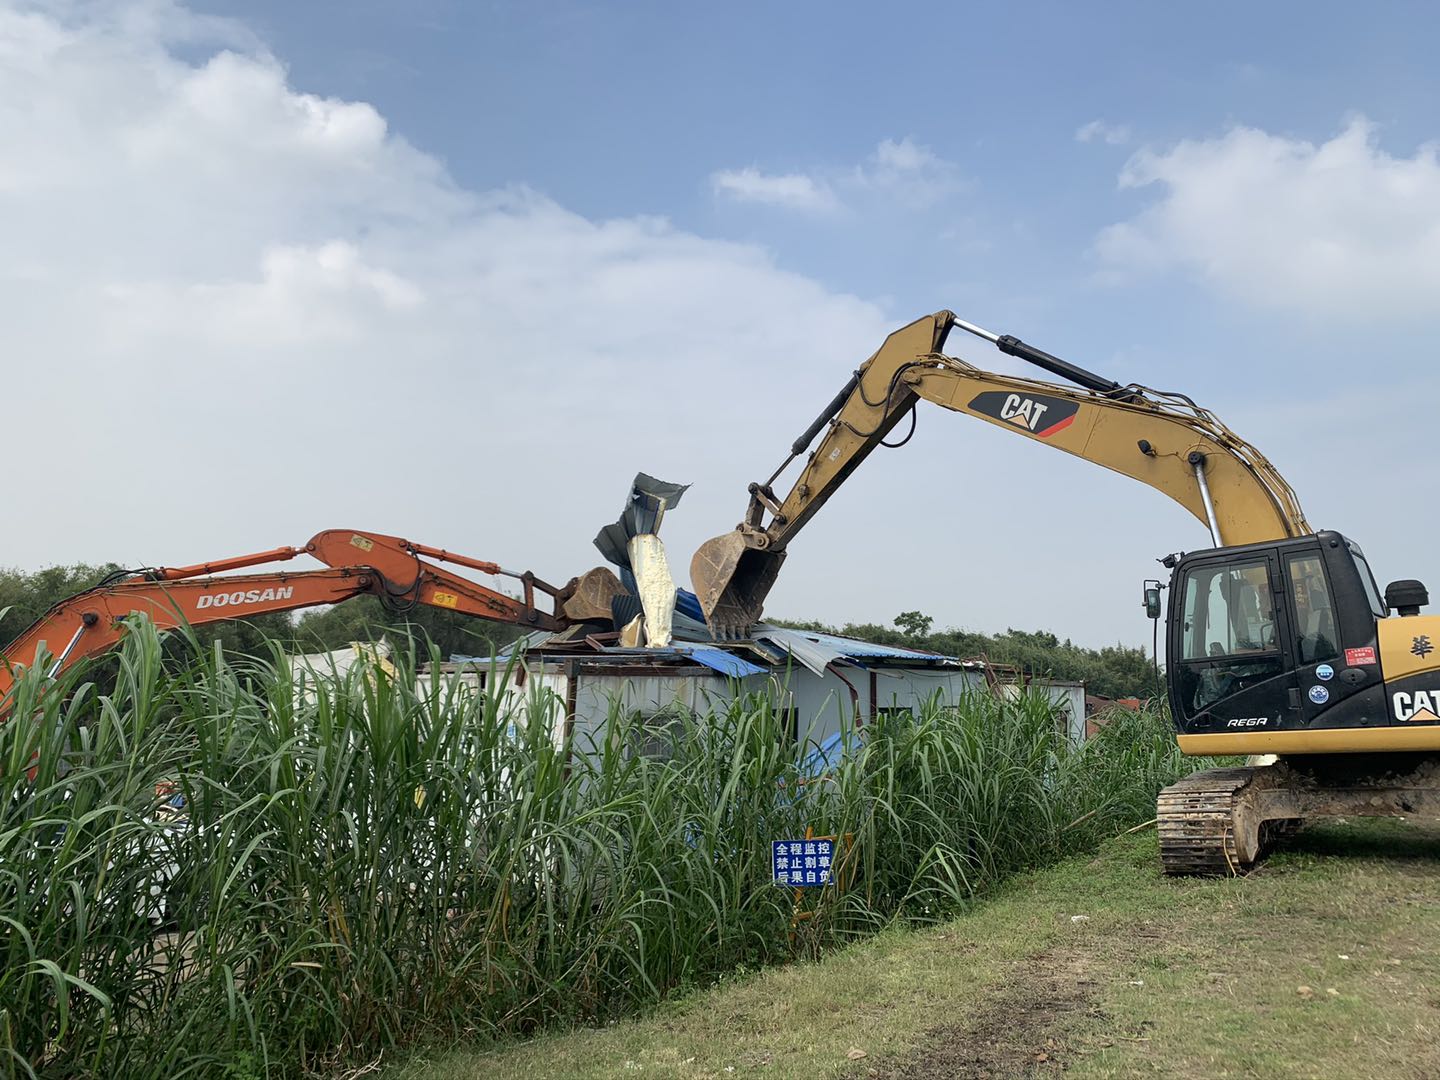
[[895, 712], [655, 735]]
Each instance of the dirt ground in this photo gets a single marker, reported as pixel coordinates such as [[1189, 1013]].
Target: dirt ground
[[1018, 1028]]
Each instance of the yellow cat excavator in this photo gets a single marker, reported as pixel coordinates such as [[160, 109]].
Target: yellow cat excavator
[[1278, 640]]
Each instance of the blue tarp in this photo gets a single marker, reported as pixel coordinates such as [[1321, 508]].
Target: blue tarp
[[826, 756], [724, 662]]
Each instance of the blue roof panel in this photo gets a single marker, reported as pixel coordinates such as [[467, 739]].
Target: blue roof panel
[[727, 663]]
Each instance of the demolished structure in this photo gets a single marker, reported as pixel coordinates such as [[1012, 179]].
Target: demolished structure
[[823, 683], [642, 645]]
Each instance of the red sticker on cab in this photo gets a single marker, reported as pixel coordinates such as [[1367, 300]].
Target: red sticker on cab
[[1356, 657]]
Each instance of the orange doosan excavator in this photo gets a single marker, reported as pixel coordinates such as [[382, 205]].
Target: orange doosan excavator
[[357, 564]]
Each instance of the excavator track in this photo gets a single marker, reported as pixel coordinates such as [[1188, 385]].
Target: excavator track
[[1209, 825], [1225, 821]]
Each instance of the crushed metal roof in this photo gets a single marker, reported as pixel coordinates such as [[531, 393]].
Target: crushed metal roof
[[817, 650], [771, 646]]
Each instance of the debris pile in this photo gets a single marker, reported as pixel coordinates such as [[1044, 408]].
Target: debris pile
[[638, 605], [644, 612]]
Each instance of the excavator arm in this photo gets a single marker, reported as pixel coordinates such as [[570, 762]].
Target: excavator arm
[[1163, 440], [358, 564]]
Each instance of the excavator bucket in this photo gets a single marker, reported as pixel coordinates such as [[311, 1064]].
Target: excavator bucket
[[589, 599], [732, 579]]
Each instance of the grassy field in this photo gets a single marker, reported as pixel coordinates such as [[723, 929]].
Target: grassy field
[[1321, 964]]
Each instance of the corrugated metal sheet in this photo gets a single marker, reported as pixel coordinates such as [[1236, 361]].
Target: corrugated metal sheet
[[688, 604], [523, 645], [645, 508], [813, 650], [817, 651], [683, 625]]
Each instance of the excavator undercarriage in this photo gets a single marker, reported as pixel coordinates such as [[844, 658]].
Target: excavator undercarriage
[[1225, 821]]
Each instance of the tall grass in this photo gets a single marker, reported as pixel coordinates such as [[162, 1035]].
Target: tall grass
[[370, 861]]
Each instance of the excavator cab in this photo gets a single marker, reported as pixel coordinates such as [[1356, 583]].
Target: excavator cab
[[1275, 637]]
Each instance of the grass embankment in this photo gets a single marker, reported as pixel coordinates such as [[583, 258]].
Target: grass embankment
[[1321, 964], [365, 864]]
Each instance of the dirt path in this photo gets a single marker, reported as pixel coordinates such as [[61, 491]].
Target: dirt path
[[1057, 1011], [1023, 1023], [1018, 1029]]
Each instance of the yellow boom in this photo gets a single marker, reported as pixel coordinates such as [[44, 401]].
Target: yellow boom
[[1163, 440]]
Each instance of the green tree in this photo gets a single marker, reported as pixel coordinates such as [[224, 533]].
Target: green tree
[[28, 596], [913, 624]]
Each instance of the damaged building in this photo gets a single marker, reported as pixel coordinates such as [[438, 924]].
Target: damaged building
[[641, 645], [822, 682]]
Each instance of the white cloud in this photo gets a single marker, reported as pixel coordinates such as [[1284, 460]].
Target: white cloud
[[909, 173], [898, 172], [236, 313], [1099, 131], [1341, 229], [793, 191], [904, 156]]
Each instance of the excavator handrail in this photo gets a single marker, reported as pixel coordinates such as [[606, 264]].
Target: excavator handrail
[[1183, 410]]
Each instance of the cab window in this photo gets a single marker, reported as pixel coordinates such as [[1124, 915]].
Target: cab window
[[1228, 612], [1228, 637], [1367, 581], [1315, 638]]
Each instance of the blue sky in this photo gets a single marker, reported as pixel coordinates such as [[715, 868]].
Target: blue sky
[[521, 229], [617, 109]]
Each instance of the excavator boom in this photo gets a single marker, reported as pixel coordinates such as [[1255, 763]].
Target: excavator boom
[[358, 563], [1163, 440]]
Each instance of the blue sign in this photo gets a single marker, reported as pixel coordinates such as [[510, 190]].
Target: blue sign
[[802, 863], [1324, 673], [1319, 695]]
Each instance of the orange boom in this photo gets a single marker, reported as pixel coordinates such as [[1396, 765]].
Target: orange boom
[[358, 563]]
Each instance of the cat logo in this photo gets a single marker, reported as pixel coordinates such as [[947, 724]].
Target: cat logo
[[1033, 414], [1420, 706]]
